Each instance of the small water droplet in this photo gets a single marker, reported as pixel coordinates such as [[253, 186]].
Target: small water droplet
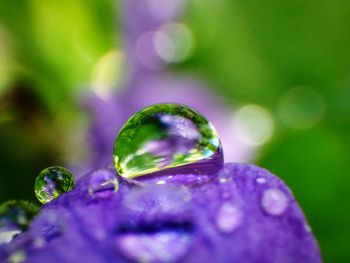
[[274, 201], [15, 217], [167, 136], [103, 183], [225, 175], [53, 182], [228, 218], [161, 182], [261, 180]]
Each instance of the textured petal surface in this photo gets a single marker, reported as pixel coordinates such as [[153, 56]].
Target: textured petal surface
[[244, 214]]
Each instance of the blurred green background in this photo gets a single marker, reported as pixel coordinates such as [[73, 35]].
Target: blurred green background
[[291, 57]]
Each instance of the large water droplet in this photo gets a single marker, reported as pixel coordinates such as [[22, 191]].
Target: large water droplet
[[15, 217], [103, 183], [52, 182], [274, 201], [167, 136]]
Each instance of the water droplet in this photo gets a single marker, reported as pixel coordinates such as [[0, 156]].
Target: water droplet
[[225, 175], [161, 182], [103, 183], [261, 180], [274, 201], [228, 218], [52, 182], [167, 136], [15, 217]]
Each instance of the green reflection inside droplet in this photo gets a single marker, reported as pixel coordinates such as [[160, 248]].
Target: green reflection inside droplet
[[52, 182], [164, 136]]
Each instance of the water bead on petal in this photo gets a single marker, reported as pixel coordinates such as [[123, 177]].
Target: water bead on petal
[[52, 182], [167, 136], [274, 201], [261, 180], [228, 218], [103, 183]]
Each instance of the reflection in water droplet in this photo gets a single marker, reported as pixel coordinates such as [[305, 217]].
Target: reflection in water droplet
[[274, 201], [52, 182], [103, 183], [167, 136], [15, 217], [228, 218]]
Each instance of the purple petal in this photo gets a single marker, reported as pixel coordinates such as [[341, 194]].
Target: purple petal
[[245, 214]]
